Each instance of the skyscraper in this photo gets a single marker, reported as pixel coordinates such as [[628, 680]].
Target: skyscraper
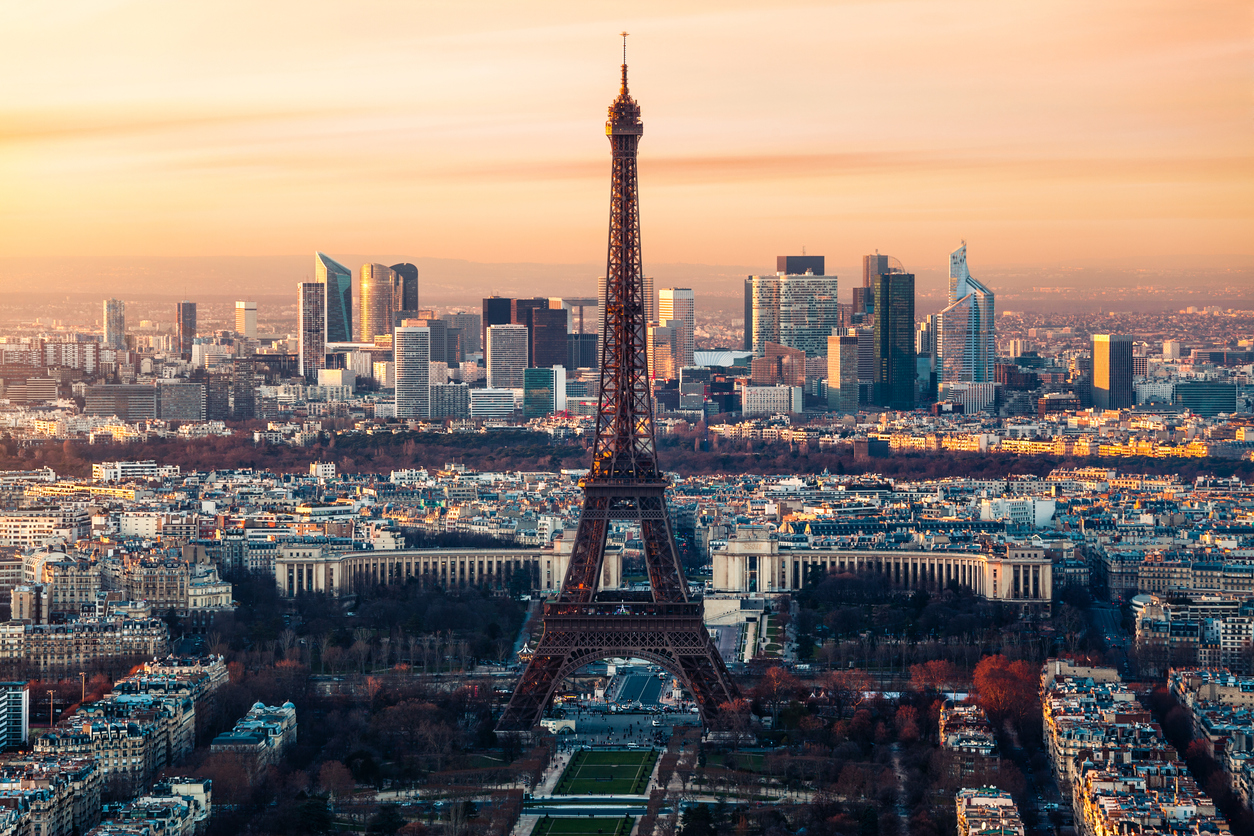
[[246, 319], [748, 344], [311, 328], [497, 310], [548, 338], [544, 391], [185, 320], [1112, 371], [411, 348], [469, 325], [798, 310], [966, 347], [679, 304], [506, 356], [872, 266], [114, 323], [662, 349], [439, 338], [376, 307], [842, 374], [404, 290], [895, 371], [338, 314]]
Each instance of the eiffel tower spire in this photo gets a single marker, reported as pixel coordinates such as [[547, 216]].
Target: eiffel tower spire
[[624, 482]]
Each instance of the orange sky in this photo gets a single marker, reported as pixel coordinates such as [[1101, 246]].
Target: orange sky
[[1041, 132]]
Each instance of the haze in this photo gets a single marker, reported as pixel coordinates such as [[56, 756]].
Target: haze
[[1044, 133]]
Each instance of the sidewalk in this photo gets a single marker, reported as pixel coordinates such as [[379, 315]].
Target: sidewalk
[[553, 774]]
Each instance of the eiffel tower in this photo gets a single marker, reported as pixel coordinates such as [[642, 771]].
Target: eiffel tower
[[582, 625]]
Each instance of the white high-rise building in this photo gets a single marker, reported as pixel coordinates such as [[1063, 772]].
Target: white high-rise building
[[411, 348], [246, 319], [311, 328], [797, 311], [679, 304], [506, 356], [967, 344], [114, 323]]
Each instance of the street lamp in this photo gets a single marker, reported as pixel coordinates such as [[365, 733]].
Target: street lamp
[[50, 709], [83, 678]]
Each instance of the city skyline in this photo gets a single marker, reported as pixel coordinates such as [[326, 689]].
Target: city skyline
[[1021, 133]]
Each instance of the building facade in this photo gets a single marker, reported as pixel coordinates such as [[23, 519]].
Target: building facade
[[895, 371], [311, 328], [677, 305], [1112, 371], [114, 323], [337, 282], [506, 356], [411, 346]]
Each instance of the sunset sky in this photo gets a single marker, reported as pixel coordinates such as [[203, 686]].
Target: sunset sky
[[1041, 132]]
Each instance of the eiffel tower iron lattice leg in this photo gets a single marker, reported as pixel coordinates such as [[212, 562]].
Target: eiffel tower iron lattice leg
[[624, 483]]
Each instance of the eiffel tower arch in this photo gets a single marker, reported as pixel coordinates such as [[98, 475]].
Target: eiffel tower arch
[[583, 624]]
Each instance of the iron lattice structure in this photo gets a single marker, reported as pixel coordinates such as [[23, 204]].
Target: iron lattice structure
[[581, 624]]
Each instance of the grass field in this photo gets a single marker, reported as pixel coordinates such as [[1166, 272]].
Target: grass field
[[616, 772], [583, 827]]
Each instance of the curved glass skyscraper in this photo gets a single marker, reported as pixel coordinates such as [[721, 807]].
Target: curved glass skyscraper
[[339, 297], [967, 345]]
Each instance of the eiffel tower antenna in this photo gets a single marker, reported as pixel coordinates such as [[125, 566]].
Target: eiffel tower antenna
[[584, 623]]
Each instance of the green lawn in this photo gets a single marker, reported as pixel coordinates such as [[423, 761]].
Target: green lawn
[[615, 772], [583, 827]]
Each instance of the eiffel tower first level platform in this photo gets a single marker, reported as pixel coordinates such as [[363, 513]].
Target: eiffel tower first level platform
[[672, 636]]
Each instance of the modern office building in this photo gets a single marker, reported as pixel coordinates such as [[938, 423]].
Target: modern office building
[[404, 291], [180, 401], [679, 304], [491, 403], [842, 374], [544, 391], [497, 310], [1207, 398], [376, 308], [892, 296], [547, 335], [872, 266], [779, 365], [338, 298], [14, 715], [661, 347], [967, 344], [246, 319], [130, 403], [450, 400], [748, 341], [1112, 371], [439, 338], [311, 330], [470, 325], [506, 356], [582, 350], [798, 310], [185, 324], [411, 348], [114, 323]]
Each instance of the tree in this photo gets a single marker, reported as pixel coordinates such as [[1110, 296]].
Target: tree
[[335, 779], [935, 675], [387, 821], [847, 689], [776, 688], [1007, 690]]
